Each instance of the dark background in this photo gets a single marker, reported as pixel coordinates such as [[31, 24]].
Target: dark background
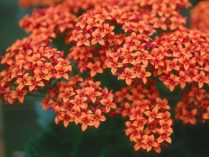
[[25, 130]]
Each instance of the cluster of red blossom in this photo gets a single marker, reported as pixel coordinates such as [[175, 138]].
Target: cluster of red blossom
[[182, 57], [199, 16], [79, 101], [137, 40], [30, 64], [194, 106], [149, 122]]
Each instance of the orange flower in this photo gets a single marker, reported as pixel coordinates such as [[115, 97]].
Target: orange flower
[[95, 68], [150, 143], [153, 114], [22, 82], [201, 79], [140, 143], [206, 115], [86, 121], [127, 75], [165, 136], [98, 118]]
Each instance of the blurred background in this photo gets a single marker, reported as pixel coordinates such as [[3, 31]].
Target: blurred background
[[27, 131]]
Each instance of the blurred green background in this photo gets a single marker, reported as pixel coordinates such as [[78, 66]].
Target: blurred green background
[[27, 131]]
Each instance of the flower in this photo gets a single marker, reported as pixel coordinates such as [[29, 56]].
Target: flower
[[80, 101]]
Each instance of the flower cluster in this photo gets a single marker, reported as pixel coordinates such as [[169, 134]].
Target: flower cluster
[[49, 21], [122, 38], [182, 57], [149, 122], [164, 14], [80, 101], [194, 106], [30, 65], [97, 38], [97, 26], [93, 28], [130, 60], [199, 16]]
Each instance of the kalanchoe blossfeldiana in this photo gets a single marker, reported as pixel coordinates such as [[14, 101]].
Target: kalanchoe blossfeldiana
[[138, 41]]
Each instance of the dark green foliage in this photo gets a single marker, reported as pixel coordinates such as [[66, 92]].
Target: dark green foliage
[[109, 141]]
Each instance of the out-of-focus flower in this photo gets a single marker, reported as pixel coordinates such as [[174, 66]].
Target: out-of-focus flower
[[30, 64], [199, 16], [80, 101], [182, 57], [149, 123], [194, 106]]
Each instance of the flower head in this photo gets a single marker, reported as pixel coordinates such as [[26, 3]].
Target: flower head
[[50, 21], [149, 124], [30, 64], [80, 101], [194, 106], [183, 58]]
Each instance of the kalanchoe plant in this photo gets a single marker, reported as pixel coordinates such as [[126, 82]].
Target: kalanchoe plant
[[141, 42]]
